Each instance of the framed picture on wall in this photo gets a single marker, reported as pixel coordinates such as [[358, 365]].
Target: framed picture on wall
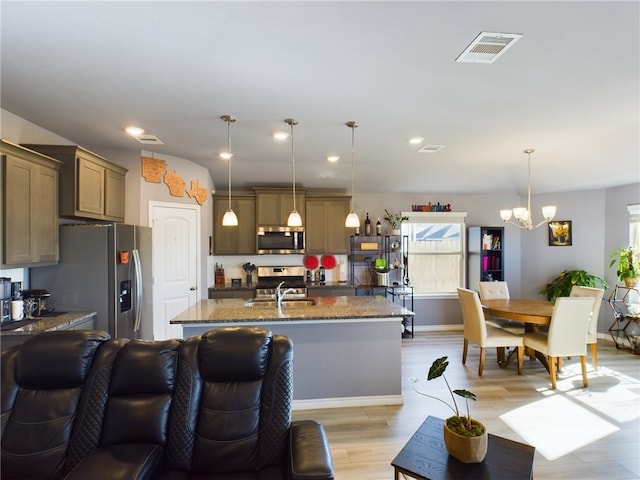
[[560, 234]]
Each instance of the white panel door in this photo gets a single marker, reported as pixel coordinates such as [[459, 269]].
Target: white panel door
[[176, 264]]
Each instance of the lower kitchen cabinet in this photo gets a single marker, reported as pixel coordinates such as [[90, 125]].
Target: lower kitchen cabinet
[[219, 293], [331, 291], [239, 240], [30, 186]]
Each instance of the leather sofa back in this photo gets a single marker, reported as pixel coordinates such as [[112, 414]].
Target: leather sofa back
[[233, 401], [140, 393], [43, 383]]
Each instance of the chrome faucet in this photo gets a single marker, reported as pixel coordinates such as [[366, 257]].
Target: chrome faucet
[[280, 294]]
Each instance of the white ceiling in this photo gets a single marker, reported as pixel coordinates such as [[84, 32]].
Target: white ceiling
[[569, 88]]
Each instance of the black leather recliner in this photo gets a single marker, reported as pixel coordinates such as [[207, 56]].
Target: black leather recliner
[[216, 406]]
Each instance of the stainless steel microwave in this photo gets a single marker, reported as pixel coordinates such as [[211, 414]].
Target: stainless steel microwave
[[280, 239]]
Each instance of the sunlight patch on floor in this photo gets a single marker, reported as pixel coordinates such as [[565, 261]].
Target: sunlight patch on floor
[[557, 426], [610, 393]]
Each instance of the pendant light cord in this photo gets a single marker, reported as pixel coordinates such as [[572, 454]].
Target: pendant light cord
[[293, 166], [230, 156]]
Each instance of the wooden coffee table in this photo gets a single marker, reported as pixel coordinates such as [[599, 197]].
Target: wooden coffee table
[[425, 457]]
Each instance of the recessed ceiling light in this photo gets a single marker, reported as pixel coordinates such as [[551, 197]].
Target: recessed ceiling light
[[416, 140], [226, 155], [280, 135], [134, 131], [333, 158]]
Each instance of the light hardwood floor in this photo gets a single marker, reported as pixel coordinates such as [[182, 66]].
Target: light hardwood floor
[[579, 433]]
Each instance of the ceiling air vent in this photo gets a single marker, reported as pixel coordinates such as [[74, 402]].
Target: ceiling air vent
[[430, 148], [487, 47], [148, 139]]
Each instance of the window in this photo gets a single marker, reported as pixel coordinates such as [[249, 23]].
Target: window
[[436, 251], [634, 226]]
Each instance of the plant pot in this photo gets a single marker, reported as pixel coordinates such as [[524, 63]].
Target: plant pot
[[465, 449], [630, 282], [395, 231]]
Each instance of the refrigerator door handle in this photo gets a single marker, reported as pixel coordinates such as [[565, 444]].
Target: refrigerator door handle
[[138, 289]]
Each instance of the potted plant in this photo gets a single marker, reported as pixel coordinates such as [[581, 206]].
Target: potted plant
[[464, 437], [561, 285], [628, 268], [394, 219]]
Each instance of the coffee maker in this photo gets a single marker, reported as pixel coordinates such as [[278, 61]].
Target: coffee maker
[[5, 299]]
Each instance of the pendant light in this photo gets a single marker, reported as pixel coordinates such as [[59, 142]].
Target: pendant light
[[294, 220], [230, 219], [352, 221], [523, 215]]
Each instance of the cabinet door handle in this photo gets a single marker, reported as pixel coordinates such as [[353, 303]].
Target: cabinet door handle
[[193, 288]]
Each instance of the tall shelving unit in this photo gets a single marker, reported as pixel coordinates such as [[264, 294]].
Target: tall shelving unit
[[365, 249], [485, 251]]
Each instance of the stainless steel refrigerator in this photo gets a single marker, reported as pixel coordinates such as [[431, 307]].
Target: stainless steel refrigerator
[[104, 268]]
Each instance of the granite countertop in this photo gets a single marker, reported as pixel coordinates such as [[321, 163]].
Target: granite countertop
[[49, 324], [327, 308]]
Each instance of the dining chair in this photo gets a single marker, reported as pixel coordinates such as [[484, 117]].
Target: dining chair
[[498, 290], [592, 330], [567, 334], [485, 336]]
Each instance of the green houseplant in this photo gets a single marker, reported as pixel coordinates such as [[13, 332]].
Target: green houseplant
[[464, 437], [394, 219], [628, 268], [561, 285]]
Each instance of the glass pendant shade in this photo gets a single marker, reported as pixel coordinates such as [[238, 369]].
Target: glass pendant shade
[[294, 220], [230, 219], [352, 221]]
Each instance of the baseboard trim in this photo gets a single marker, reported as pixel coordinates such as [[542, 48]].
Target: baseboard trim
[[438, 328], [341, 402]]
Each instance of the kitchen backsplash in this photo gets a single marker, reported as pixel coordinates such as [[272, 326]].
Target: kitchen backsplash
[[232, 265]]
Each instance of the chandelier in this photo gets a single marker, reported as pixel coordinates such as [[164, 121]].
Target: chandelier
[[523, 215]]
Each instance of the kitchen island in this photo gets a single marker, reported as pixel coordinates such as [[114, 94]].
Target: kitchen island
[[346, 349]]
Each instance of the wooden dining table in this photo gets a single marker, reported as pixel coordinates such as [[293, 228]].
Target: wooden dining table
[[533, 313], [529, 312]]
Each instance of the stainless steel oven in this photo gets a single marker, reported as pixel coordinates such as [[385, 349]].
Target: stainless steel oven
[[280, 239], [270, 277]]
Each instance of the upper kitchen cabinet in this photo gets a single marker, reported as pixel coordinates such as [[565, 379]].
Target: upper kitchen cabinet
[[91, 187], [273, 205], [235, 240], [325, 230], [30, 207]]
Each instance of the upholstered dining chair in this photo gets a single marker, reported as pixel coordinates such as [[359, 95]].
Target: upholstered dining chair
[[498, 290], [567, 334], [485, 336], [592, 331]]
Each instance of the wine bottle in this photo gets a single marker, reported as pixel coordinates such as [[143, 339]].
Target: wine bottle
[[367, 226], [378, 227]]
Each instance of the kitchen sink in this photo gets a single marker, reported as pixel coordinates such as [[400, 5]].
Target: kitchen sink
[[290, 302]]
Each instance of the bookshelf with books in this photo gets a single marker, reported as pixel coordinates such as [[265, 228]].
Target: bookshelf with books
[[485, 251]]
